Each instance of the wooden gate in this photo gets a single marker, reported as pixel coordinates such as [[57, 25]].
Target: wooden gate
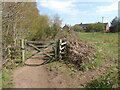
[[56, 48]]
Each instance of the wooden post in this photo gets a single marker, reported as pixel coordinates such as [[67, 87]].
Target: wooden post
[[25, 48], [23, 51], [58, 49], [56, 46], [9, 51], [60, 42]]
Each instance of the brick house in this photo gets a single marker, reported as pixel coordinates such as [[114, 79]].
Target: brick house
[[84, 26]]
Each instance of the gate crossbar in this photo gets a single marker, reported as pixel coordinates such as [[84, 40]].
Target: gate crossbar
[[40, 50]]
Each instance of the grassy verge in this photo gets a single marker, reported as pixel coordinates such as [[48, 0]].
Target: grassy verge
[[6, 79], [107, 46], [109, 80], [7, 73], [95, 62], [104, 42], [0, 80], [8, 69]]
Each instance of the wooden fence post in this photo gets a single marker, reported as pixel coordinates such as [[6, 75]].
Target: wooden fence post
[[61, 48], [23, 50], [9, 52], [60, 42], [58, 50], [55, 48]]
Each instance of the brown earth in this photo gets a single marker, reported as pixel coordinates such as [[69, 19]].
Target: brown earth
[[34, 76], [53, 75], [61, 74]]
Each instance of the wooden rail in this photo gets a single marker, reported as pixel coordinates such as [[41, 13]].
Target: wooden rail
[[41, 42], [62, 48], [57, 46], [40, 50]]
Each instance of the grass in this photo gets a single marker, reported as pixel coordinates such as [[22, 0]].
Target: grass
[[6, 79], [105, 81], [107, 42], [6, 74], [107, 46], [94, 63], [108, 80], [7, 70], [0, 80]]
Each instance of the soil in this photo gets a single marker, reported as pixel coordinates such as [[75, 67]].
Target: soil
[[52, 75], [71, 78], [32, 76]]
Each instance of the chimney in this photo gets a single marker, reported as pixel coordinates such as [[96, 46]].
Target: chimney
[[102, 19]]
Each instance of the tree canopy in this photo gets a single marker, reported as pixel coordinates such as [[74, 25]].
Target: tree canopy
[[97, 27], [77, 28], [21, 20], [115, 25]]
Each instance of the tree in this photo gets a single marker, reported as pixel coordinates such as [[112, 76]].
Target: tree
[[77, 28], [21, 20], [115, 25], [17, 23], [45, 27], [89, 28], [40, 28], [97, 27], [55, 25], [17, 20]]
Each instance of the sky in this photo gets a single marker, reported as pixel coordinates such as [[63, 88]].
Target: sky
[[76, 11]]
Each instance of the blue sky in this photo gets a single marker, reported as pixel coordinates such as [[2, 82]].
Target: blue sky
[[76, 11]]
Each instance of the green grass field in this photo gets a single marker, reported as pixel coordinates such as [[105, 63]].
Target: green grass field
[[0, 80], [107, 46], [106, 43]]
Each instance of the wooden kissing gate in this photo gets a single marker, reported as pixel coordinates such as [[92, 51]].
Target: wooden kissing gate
[[58, 48]]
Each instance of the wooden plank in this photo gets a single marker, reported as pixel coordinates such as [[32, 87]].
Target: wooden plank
[[63, 43], [40, 50], [41, 42], [36, 42], [53, 42], [62, 48], [41, 46], [60, 41], [44, 46], [23, 51], [55, 48], [62, 52]]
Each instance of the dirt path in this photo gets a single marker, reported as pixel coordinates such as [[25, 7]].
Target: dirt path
[[54, 75], [31, 76]]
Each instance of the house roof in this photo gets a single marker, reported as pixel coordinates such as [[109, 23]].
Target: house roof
[[88, 24]]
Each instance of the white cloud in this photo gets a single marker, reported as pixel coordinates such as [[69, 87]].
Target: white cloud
[[109, 8], [60, 6]]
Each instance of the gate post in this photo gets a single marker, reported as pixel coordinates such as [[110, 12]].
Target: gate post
[[23, 51], [56, 50], [59, 49]]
